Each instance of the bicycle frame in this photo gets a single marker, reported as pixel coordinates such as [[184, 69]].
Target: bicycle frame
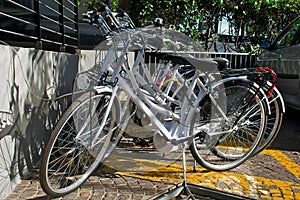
[[145, 98], [150, 99]]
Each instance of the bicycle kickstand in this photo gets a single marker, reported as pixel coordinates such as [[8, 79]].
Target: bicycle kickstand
[[184, 184]]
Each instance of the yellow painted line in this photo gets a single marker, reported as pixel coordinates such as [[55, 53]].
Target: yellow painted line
[[285, 161], [250, 186], [241, 184]]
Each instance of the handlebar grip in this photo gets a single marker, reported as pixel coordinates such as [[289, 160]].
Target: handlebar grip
[[87, 20], [90, 16], [91, 12]]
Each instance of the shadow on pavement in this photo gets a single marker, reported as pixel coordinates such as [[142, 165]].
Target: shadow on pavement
[[289, 135]]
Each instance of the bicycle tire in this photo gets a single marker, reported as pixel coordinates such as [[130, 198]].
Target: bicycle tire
[[67, 160], [227, 151]]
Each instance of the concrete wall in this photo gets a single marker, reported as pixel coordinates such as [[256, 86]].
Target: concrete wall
[[29, 78]]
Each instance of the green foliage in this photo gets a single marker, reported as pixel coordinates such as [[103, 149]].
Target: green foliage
[[199, 18], [91, 4]]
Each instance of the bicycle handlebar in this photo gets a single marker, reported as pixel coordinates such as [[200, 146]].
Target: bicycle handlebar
[[95, 17]]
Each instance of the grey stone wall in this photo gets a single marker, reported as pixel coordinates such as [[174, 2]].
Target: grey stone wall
[[32, 82]]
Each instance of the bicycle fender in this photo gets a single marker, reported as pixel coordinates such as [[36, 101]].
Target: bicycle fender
[[282, 104], [102, 88], [220, 82]]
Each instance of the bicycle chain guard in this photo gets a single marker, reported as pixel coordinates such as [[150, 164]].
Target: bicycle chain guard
[[162, 144]]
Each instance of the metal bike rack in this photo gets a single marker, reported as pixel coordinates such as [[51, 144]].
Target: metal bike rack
[[190, 191]]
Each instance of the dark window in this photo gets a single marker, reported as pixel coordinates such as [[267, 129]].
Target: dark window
[[291, 36], [44, 24]]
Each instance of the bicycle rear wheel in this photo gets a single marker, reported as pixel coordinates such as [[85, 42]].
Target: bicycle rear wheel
[[74, 149], [236, 138]]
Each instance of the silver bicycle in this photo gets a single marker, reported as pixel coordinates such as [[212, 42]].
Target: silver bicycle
[[275, 100], [172, 98]]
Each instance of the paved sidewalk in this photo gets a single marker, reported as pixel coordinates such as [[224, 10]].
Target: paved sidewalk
[[262, 177], [141, 173], [97, 187]]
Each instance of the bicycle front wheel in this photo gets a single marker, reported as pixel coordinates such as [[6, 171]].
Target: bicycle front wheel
[[225, 141], [83, 137]]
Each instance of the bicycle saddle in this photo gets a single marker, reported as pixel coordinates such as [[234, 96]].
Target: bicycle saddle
[[204, 64]]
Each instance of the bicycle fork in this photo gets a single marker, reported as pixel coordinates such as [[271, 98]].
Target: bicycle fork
[[85, 131]]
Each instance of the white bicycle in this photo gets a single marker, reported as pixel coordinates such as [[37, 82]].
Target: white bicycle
[[172, 99]]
